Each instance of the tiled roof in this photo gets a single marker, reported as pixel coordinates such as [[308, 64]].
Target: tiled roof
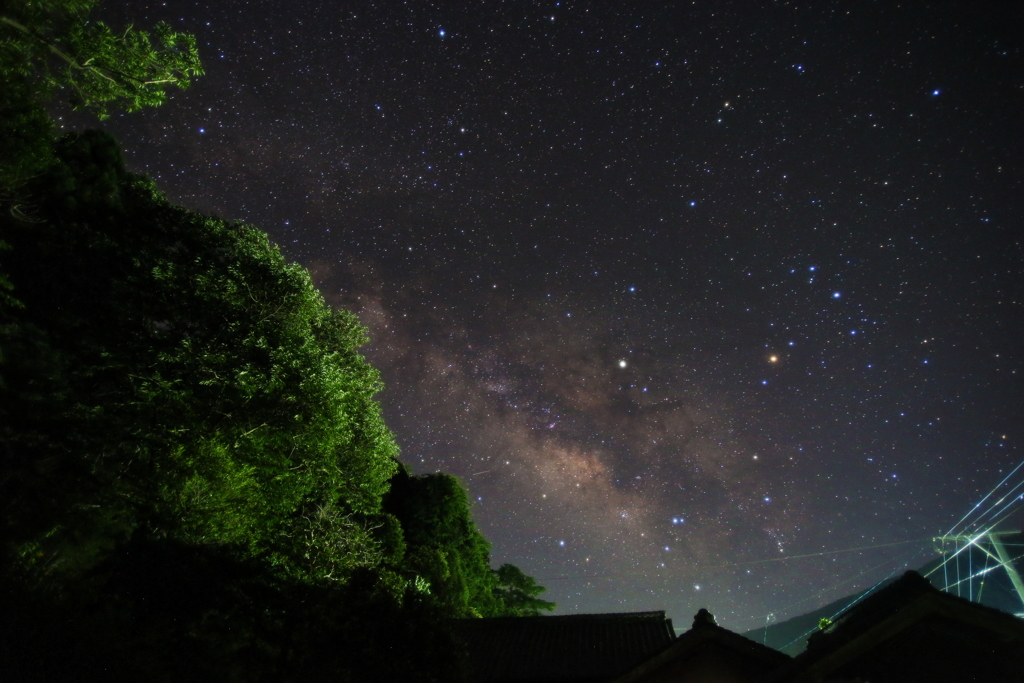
[[911, 624], [574, 648], [736, 652], [894, 600]]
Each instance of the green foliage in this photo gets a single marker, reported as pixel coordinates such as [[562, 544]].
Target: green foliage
[[443, 546], [51, 46], [518, 593], [192, 462], [445, 551], [55, 42], [387, 531], [25, 129], [171, 372]]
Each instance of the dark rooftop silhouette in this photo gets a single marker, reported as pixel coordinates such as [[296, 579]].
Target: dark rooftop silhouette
[[572, 648]]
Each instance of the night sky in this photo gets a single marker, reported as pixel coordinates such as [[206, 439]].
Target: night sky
[[682, 291]]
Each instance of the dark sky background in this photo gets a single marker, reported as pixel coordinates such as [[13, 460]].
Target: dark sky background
[[682, 291]]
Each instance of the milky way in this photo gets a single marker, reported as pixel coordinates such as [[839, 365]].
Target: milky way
[[717, 305]]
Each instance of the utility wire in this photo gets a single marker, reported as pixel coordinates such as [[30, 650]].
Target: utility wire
[[843, 581], [740, 564], [848, 606]]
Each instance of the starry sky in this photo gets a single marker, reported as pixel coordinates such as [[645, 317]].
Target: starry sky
[[710, 304]]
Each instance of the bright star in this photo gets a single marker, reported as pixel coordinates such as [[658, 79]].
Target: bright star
[[622, 363]]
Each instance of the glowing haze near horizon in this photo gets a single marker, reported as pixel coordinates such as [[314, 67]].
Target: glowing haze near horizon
[[680, 291]]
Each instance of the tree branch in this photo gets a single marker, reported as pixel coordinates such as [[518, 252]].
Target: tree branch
[[32, 34]]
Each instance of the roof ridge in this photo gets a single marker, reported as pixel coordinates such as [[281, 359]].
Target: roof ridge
[[654, 614]]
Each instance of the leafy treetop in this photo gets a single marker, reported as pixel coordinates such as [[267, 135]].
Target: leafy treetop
[[55, 42], [170, 372], [444, 548]]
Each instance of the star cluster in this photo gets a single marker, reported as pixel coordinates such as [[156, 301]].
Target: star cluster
[[691, 296]]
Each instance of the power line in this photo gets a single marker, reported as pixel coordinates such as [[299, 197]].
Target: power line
[[848, 606], [901, 563], [741, 564], [829, 552]]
